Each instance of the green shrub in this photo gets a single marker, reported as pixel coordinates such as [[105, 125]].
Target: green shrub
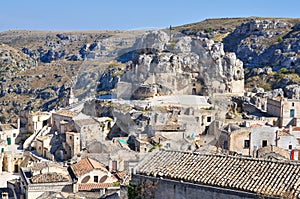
[[208, 30], [280, 39], [116, 184], [283, 70]]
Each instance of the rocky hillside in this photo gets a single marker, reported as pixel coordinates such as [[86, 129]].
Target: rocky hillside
[[263, 44], [13, 61], [38, 68]]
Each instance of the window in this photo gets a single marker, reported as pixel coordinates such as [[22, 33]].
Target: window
[[290, 147], [292, 113], [114, 165], [2, 150], [293, 104], [95, 178], [225, 144], [14, 135], [264, 143], [70, 137], [208, 119], [246, 144]]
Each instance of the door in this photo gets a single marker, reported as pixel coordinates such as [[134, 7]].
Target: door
[[8, 141]]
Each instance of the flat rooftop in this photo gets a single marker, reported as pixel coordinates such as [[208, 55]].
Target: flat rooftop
[[183, 100]]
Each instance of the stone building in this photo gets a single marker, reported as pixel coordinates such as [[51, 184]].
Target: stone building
[[2, 145], [39, 178], [174, 174], [287, 110], [11, 161], [247, 140], [72, 144], [60, 119], [105, 125], [262, 136], [239, 141], [90, 175], [89, 130], [37, 120], [9, 132], [43, 146]]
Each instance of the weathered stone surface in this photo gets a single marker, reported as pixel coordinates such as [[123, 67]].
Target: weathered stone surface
[[292, 91], [177, 66]]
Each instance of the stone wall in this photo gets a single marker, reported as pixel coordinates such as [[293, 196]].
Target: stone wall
[[149, 187], [36, 190], [259, 134], [237, 141], [288, 110]]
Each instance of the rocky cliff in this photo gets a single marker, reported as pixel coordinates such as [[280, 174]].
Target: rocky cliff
[[178, 65]]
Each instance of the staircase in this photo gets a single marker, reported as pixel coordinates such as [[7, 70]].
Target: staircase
[[29, 141]]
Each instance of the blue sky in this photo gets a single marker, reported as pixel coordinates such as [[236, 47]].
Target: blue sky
[[131, 14]]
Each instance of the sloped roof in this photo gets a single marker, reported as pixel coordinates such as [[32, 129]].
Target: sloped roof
[[86, 165], [265, 177], [93, 186], [37, 166], [66, 113], [7, 127], [296, 128], [49, 178]]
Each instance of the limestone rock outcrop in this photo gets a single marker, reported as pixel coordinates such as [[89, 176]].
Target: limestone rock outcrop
[[257, 42], [182, 65]]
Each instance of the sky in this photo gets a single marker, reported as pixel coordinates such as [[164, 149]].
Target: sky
[[131, 14]]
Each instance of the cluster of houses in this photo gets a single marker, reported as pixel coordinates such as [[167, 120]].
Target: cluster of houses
[[68, 153], [62, 152]]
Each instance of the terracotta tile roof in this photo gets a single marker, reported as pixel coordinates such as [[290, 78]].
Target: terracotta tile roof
[[284, 132], [256, 125], [264, 177], [93, 186], [49, 178], [65, 113], [37, 166], [86, 165], [121, 174], [39, 113], [296, 128]]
